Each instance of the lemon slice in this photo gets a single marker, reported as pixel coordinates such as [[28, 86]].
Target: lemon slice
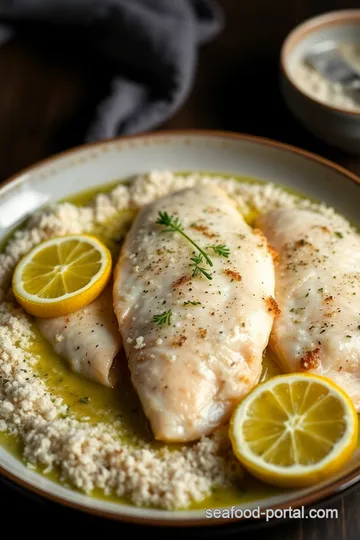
[[62, 275], [294, 430]]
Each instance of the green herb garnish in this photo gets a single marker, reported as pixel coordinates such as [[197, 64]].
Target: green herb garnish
[[198, 270], [339, 234], [221, 250], [84, 400], [163, 318], [173, 224], [190, 303]]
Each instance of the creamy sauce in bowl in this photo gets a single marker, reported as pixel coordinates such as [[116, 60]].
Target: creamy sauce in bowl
[[318, 87]]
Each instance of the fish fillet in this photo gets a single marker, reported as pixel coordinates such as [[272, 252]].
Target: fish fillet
[[88, 339], [190, 371], [318, 293]]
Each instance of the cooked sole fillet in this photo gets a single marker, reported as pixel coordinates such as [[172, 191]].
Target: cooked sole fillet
[[318, 292], [88, 339], [191, 371]]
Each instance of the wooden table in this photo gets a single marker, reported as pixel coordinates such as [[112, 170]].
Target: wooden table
[[45, 102]]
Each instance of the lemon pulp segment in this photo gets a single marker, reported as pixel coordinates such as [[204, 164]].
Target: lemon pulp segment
[[62, 275], [294, 430]]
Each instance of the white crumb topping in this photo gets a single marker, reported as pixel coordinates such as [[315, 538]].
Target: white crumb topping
[[140, 343], [59, 338], [93, 456], [120, 197], [249, 197], [104, 209]]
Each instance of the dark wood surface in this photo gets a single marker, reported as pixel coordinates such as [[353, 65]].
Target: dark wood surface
[[46, 98]]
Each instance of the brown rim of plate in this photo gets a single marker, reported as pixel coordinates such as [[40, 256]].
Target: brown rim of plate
[[327, 491], [310, 26]]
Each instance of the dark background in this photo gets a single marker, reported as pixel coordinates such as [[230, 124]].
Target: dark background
[[45, 102]]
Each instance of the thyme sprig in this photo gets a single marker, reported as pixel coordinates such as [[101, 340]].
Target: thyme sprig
[[198, 270], [173, 224], [221, 249], [163, 318]]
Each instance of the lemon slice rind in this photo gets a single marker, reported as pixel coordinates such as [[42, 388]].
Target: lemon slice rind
[[71, 301], [297, 475]]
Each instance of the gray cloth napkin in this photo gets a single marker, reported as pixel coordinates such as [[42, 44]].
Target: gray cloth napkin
[[156, 41]]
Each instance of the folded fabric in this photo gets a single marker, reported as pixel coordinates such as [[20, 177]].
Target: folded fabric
[[152, 45]]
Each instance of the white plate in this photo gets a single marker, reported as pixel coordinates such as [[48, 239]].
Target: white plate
[[226, 153]]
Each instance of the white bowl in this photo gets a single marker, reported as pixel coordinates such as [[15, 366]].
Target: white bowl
[[225, 153], [336, 126]]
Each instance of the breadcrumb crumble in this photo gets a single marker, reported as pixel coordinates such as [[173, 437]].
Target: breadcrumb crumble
[[93, 456]]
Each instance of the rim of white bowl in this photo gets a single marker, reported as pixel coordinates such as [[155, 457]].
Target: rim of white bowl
[[129, 513], [311, 26]]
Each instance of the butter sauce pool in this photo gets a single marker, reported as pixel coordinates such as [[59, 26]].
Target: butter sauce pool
[[120, 406]]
